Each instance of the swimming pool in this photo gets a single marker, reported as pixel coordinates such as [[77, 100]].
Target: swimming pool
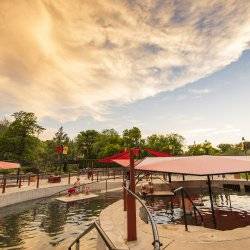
[[238, 215], [48, 223]]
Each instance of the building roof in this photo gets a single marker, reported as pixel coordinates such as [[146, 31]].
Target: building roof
[[193, 165]]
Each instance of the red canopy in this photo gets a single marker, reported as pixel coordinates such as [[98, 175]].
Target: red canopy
[[156, 153], [121, 155], [196, 165], [9, 165], [125, 155]]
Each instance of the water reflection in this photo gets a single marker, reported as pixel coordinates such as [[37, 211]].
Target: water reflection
[[48, 224], [231, 211]]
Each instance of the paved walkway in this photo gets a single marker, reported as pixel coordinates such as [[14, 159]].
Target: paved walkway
[[43, 183], [173, 237]]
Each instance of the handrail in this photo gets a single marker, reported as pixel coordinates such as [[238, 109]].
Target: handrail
[[182, 190], [76, 241], [156, 243], [64, 190], [103, 235], [82, 185]]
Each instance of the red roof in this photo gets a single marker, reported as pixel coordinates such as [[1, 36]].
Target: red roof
[[109, 159], [9, 165], [194, 165], [157, 153], [125, 155], [125, 163]]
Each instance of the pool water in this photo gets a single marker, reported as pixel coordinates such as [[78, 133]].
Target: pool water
[[227, 217], [49, 224]]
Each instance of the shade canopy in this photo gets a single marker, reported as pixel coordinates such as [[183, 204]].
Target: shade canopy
[[8, 165], [125, 155], [193, 165], [110, 159]]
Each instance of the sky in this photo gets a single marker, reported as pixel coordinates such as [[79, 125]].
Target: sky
[[164, 66]]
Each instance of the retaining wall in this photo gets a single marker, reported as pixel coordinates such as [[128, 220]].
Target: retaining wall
[[26, 195]]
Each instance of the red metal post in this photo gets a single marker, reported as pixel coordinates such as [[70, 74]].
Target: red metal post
[[131, 206], [29, 180], [20, 181], [169, 177], [38, 179], [69, 178], [4, 184], [124, 198], [211, 201], [18, 174]]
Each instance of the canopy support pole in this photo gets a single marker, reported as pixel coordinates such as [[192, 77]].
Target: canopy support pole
[[131, 205], [17, 175], [169, 177], [211, 201]]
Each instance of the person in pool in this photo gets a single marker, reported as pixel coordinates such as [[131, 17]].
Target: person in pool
[[76, 187]]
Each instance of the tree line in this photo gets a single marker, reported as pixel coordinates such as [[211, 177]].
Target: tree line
[[19, 141]]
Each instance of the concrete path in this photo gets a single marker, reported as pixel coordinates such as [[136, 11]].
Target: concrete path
[[173, 237], [43, 183]]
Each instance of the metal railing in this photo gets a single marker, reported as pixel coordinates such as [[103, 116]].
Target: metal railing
[[100, 231], [81, 186], [18, 180], [183, 194], [227, 191], [156, 243]]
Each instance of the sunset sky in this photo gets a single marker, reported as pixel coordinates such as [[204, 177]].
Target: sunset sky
[[162, 65]]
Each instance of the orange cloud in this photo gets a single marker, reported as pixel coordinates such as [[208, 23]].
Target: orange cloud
[[69, 58]]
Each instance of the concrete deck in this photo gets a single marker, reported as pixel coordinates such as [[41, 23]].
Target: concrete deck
[[173, 237]]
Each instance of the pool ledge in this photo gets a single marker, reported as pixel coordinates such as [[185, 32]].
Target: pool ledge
[[113, 222]]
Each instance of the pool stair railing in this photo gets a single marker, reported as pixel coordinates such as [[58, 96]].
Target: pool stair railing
[[93, 225], [156, 240], [184, 194]]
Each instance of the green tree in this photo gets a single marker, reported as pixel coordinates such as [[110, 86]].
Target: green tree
[[51, 157], [205, 148], [85, 141], [4, 124], [61, 138], [132, 137], [108, 142], [19, 140], [170, 143], [231, 149]]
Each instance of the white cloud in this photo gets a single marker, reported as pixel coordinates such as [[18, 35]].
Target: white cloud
[[70, 58], [225, 134]]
